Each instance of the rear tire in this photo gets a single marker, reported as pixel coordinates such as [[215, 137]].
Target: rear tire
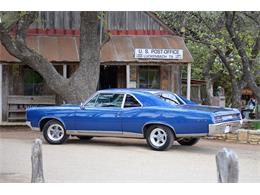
[[54, 132], [188, 141], [159, 137], [81, 137]]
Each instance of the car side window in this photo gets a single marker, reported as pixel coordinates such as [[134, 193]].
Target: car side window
[[109, 100], [131, 102]]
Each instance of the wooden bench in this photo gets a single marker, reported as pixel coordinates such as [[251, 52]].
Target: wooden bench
[[17, 105]]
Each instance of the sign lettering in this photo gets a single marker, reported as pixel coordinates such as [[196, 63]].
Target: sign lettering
[[170, 54]]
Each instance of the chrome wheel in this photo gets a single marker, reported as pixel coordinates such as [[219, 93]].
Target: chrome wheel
[[158, 137], [55, 132]]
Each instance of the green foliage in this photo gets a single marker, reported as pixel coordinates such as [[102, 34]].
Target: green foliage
[[7, 18], [205, 32], [200, 55]]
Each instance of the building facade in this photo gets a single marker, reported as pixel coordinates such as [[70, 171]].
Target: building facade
[[140, 51]]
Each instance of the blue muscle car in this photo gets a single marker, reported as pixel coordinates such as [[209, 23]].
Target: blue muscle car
[[158, 116]]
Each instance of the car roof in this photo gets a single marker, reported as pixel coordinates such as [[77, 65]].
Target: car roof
[[143, 92], [143, 95], [131, 90]]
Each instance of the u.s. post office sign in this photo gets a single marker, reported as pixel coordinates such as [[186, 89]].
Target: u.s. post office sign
[[170, 54]]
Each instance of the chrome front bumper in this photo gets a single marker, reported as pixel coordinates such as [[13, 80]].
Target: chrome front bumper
[[225, 127], [28, 123]]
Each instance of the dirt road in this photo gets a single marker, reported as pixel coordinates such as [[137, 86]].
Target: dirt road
[[119, 160]]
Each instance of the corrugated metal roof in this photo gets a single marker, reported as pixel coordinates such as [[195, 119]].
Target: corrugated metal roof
[[54, 48], [119, 49]]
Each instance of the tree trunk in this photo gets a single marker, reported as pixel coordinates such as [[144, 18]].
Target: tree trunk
[[236, 94], [84, 81], [248, 75], [208, 79], [209, 90], [236, 91]]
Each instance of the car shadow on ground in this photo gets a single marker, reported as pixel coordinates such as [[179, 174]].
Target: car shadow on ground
[[109, 142], [141, 143]]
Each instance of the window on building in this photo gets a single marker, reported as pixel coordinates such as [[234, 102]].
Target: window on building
[[33, 82], [149, 77]]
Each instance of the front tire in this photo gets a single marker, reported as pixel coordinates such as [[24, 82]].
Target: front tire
[[188, 141], [159, 137], [54, 132]]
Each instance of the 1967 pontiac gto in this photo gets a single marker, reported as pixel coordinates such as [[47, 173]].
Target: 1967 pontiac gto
[[158, 116]]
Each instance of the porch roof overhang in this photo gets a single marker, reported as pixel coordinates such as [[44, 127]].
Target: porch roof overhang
[[54, 48], [118, 50], [121, 49]]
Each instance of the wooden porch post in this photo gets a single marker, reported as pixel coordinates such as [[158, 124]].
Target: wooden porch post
[[188, 80], [64, 73], [127, 76], [1, 92]]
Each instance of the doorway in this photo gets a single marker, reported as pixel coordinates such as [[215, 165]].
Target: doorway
[[108, 77]]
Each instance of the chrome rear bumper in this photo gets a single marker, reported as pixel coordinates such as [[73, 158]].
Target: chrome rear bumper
[[225, 127]]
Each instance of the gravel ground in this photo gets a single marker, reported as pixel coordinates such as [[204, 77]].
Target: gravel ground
[[119, 160]]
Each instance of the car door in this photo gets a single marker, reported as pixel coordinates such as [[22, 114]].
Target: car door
[[133, 115], [101, 113]]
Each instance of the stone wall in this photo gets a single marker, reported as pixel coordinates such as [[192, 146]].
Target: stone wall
[[243, 136]]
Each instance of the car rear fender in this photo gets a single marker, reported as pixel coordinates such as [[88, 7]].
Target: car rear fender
[[44, 120], [147, 125]]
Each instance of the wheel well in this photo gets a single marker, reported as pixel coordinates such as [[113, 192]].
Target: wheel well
[[44, 121], [150, 124]]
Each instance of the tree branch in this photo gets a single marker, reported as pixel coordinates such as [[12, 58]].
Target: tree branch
[[21, 51], [256, 48], [23, 24], [249, 77], [253, 18], [8, 42], [208, 65]]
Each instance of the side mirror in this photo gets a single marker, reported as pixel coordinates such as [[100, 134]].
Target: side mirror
[[81, 106]]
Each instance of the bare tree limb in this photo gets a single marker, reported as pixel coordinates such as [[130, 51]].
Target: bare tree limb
[[23, 24], [253, 18]]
